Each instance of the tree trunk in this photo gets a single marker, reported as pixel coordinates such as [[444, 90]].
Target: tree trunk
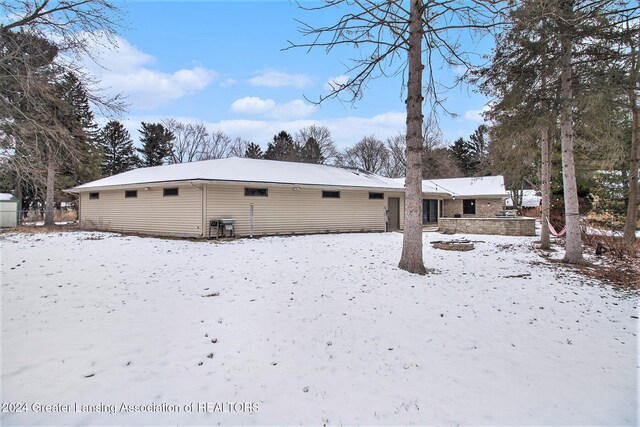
[[49, 202], [19, 194], [632, 207], [573, 241], [546, 187], [411, 259]]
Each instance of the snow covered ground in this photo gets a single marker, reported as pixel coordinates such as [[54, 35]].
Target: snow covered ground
[[602, 232], [313, 329]]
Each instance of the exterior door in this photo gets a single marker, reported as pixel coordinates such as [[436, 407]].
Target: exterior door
[[429, 211], [394, 213]]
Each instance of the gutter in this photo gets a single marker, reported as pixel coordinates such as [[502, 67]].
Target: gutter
[[205, 181]]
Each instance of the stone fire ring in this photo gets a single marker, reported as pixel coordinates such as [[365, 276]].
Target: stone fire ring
[[454, 245]]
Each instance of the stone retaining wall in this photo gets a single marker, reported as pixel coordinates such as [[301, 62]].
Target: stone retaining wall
[[498, 226]]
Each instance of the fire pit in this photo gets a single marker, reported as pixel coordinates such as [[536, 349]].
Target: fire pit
[[453, 245]]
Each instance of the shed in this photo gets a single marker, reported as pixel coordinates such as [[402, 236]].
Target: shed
[[8, 210]]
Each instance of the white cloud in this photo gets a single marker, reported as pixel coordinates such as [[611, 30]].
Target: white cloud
[[346, 131], [253, 105], [128, 70], [273, 78], [334, 83], [293, 109], [476, 115]]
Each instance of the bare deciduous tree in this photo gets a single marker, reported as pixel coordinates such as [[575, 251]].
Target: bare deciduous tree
[[396, 165], [190, 140], [217, 146], [393, 40], [322, 136], [369, 155], [238, 147], [193, 143]]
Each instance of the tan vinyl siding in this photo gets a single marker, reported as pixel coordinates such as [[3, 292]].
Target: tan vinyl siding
[[148, 213], [293, 209]]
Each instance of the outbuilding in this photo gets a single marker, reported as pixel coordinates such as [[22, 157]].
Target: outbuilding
[[8, 210]]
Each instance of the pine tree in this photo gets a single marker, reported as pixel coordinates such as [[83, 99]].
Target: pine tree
[[460, 152], [551, 74], [282, 148], [322, 136], [477, 147], [81, 124], [253, 151], [310, 152], [156, 144], [117, 147]]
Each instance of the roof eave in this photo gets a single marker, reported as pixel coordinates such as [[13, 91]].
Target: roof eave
[[212, 181]]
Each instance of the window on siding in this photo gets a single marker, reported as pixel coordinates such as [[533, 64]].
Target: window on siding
[[128, 194], [376, 196], [469, 207], [330, 194], [256, 192], [94, 196], [169, 192]]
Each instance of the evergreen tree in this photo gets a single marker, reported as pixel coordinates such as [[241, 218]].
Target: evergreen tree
[[322, 136], [253, 151], [460, 152], [79, 120], [552, 75], [478, 146], [156, 144], [117, 147], [282, 148], [311, 153]]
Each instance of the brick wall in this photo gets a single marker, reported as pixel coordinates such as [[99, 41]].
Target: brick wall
[[485, 208], [498, 226]]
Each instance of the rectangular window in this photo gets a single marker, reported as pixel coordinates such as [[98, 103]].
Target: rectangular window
[[330, 194], [469, 207], [376, 196], [169, 192], [256, 192], [94, 196], [128, 194]]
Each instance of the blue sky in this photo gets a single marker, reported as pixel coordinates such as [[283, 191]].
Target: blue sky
[[222, 63]]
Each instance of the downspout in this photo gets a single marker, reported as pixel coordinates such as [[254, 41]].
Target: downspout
[[251, 220], [386, 220]]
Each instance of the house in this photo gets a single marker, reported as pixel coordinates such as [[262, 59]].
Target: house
[[470, 205], [265, 197], [475, 197]]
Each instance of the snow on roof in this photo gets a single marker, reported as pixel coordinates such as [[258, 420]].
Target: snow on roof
[[489, 186], [6, 197], [427, 187], [236, 169], [530, 199]]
